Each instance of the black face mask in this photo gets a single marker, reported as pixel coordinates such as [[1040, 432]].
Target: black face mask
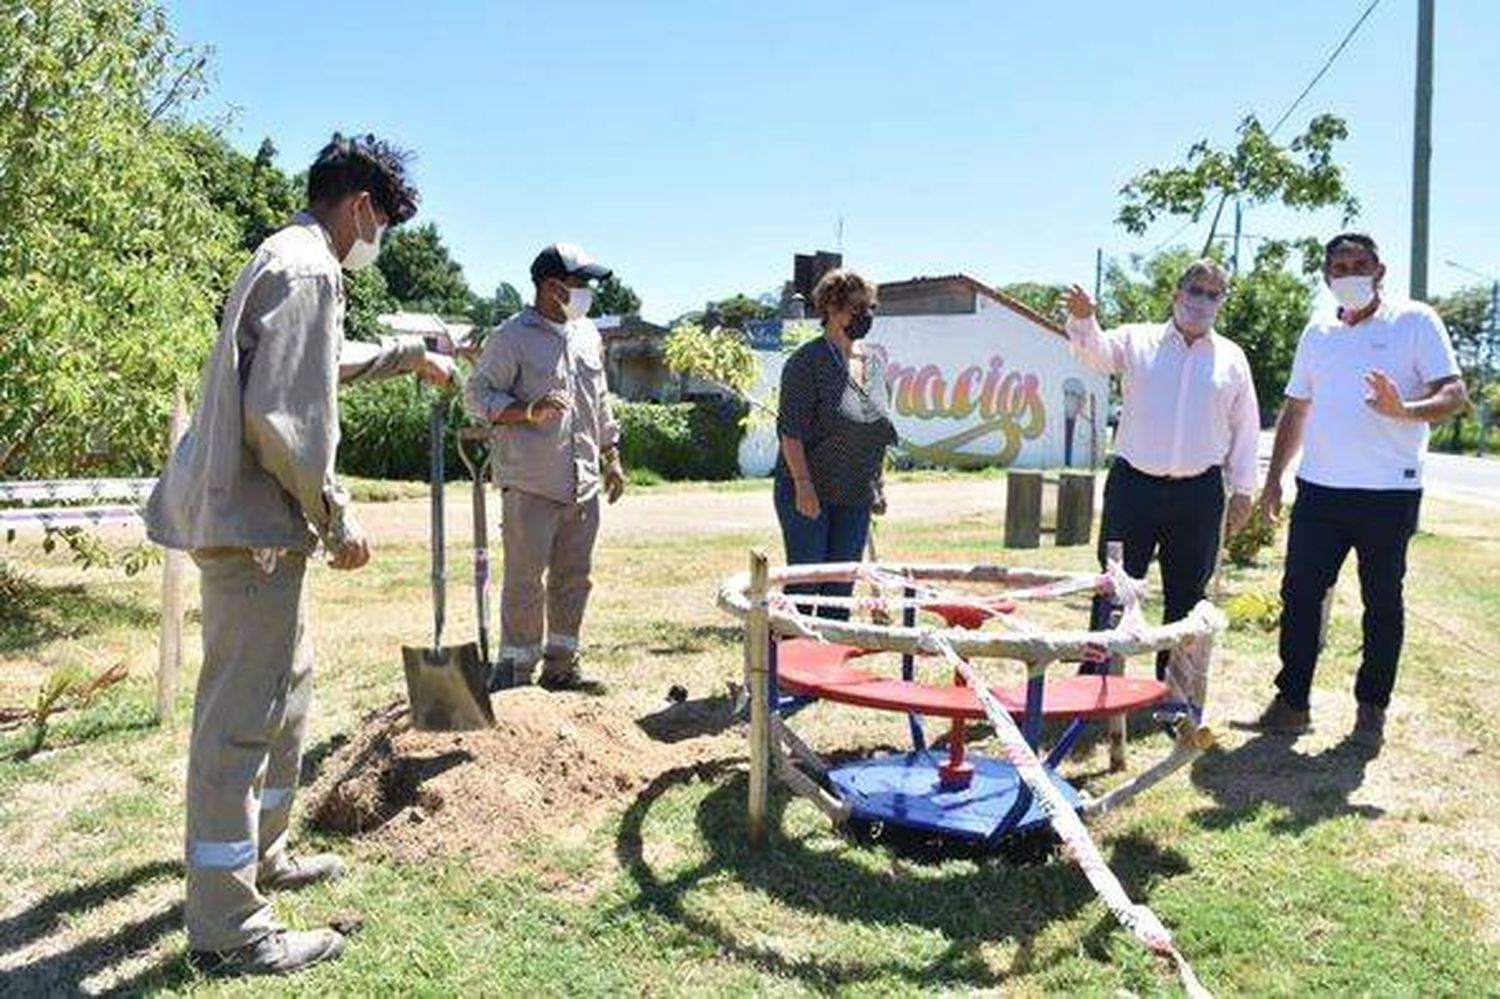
[[859, 326]]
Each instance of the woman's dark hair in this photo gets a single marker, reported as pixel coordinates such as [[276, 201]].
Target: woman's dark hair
[[838, 288], [348, 165]]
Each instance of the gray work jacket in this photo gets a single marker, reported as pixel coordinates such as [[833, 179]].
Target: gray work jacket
[[524, 359], [255, 468]]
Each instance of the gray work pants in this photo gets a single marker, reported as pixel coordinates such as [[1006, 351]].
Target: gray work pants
[[249, 720], [545, 536]]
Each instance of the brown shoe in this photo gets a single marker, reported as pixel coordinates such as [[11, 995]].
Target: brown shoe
[[1279, 718], [1369, 728], [281, 952]]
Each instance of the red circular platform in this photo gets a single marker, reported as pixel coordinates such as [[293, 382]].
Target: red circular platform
[[823, 669]]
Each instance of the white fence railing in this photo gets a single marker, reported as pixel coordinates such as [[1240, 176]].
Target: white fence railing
[[94, 503]]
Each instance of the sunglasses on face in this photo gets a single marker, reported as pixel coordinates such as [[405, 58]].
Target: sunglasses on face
[[1207, 294]]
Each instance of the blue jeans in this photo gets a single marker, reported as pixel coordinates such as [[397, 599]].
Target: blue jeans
[[836, 534]]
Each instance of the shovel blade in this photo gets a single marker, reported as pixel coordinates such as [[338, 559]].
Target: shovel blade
[[446, 688]]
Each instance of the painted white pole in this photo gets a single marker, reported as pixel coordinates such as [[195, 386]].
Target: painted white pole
[[174, 565], [757, 652]]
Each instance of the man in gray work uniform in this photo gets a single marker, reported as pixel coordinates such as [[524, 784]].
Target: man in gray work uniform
[[250, 492], [540, 380]]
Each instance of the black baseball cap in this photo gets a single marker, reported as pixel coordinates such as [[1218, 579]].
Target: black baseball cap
[[562, 260]]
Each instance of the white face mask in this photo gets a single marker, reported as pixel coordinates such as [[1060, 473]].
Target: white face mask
[[1354, 291], [1195, 315], [580, 300], [362, 252]]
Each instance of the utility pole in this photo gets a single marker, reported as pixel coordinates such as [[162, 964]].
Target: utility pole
[[1421, 151], [1234, 258], [1098, 275]]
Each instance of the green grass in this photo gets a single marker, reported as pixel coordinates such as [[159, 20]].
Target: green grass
[[1282, 869]]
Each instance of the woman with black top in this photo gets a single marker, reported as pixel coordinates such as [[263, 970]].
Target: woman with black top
[[834, 422]]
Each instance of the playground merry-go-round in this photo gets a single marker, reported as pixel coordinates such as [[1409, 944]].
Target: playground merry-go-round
[[910, 640]]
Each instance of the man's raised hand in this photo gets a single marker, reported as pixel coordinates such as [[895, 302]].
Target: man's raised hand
[[1080, 305]]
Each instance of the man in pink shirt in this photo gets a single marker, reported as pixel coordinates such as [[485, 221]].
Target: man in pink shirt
[[1189, 415]]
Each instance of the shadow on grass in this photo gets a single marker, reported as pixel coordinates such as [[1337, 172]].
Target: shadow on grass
[[689, 719], [66, 971], [67, 612], [1309, 788], [971, 905], [674, 639]]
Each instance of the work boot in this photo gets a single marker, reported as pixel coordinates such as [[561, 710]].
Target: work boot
[[509, 673], [1369, 728], [280, 952], [291, 873], [562, 672], [1279, 718]]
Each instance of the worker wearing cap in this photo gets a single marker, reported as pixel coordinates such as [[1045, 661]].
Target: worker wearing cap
[[540, 382]]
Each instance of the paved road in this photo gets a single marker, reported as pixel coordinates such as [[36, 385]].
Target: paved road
[[1452, 476]]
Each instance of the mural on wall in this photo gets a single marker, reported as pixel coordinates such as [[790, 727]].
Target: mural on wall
[[989, 387], [1007, 403]]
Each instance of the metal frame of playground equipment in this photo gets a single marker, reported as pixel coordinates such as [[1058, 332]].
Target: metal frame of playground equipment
[[775, 750], [1031, 793]]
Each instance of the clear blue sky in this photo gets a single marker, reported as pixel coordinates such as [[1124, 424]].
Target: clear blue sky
[[695, 147]]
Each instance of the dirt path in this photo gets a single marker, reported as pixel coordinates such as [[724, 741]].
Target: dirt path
[[693, 511]]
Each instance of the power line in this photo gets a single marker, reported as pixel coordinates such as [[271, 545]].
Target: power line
[[1327, 65], [1323, 71]]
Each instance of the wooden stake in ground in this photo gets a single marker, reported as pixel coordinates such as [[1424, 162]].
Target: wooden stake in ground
[[169, 661], [757, 653]]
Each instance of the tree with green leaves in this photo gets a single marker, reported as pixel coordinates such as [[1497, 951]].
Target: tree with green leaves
[[1471, 324], [1043, 299], [113, 259], [615, 298], [1301, 175], [252, 190], [737, 311], [1268, 303], [421, 274]]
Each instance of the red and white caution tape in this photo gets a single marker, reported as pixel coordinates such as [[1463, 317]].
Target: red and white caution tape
[[1138, 919]]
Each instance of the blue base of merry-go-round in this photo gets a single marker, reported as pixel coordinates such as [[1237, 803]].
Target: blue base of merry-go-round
[[904, 790]]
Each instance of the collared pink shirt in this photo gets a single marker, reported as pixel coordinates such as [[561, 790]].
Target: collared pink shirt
[[1188, 407]]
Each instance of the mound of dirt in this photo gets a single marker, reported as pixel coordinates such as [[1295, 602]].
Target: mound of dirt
[[554, 764]]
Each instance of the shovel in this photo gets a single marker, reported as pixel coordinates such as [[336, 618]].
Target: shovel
[[445, 685], [500, 673]]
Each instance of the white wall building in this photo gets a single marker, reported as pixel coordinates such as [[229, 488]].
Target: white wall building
[[976, 378]]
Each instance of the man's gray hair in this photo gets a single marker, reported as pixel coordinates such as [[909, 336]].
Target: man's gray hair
[[1202, 268]]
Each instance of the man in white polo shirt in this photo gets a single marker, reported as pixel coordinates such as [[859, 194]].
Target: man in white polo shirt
[[1364, 387], [1190, 412]]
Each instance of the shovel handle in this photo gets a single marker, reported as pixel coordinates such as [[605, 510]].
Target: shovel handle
[[437, 426]]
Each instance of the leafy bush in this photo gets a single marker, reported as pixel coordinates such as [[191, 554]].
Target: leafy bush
[[1260, 610], [383, 431], [686, 440], [384, 435], [1259, 531]]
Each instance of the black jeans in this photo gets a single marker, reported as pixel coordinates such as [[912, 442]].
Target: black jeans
[[1326, 523], [1178, 518]]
